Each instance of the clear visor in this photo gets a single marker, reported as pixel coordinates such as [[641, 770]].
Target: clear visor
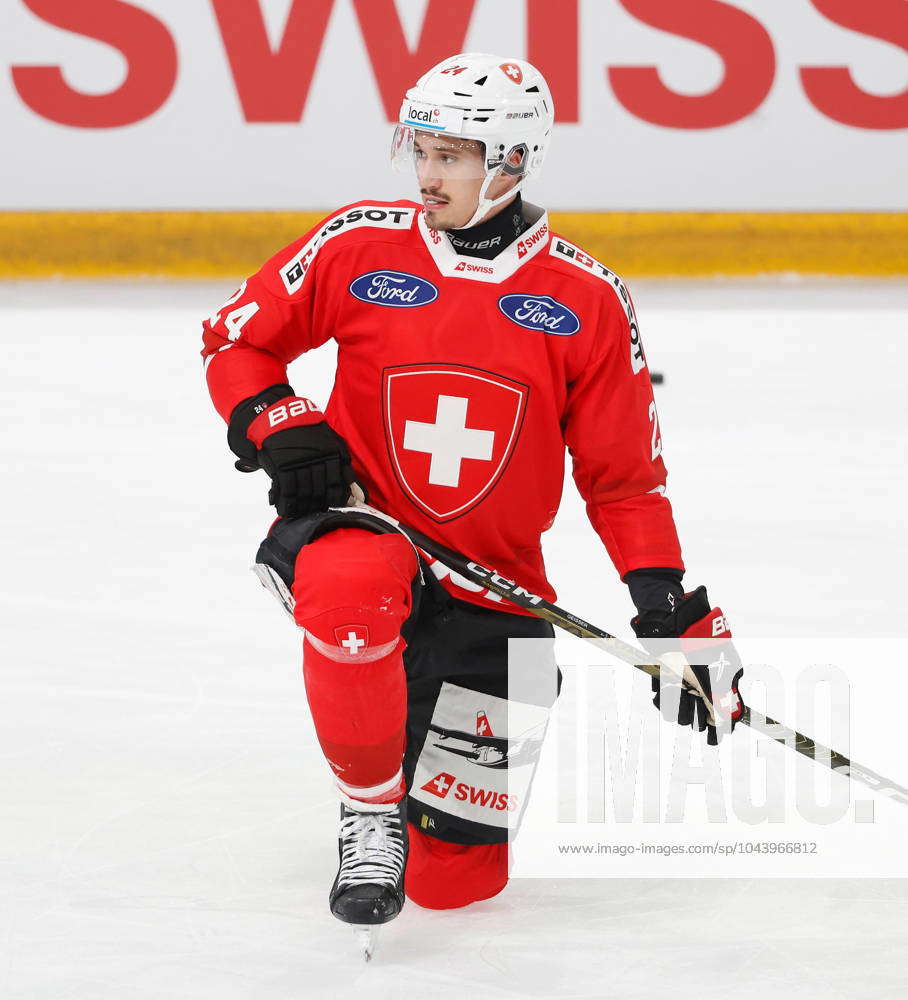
[[437, 156]]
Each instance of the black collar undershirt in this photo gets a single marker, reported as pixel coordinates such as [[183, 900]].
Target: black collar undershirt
[[489, 238]]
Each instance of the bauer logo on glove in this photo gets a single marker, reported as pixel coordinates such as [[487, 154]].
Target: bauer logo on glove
[[288, 437], [688, 692]]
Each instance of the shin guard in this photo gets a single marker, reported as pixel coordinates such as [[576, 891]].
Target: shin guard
[[352, 591]]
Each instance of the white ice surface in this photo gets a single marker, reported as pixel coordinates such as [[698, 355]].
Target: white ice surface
[[166, 821]]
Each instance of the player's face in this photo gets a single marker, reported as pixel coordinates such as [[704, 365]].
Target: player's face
[[450, 174]]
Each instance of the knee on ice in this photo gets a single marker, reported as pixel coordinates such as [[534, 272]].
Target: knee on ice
[[445, 876]]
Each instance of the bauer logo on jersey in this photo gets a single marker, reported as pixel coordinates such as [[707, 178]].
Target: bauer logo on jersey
[[540, 312], [393, 288], [451, 431]]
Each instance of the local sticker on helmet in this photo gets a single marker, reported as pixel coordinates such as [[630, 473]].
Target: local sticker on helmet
[[512, 71], [431, 117]]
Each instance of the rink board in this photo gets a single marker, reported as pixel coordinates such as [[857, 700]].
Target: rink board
[[651, 244], [662, 107]]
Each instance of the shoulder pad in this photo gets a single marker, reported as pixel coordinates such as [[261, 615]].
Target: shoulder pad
[[562, 249], [363, 216]]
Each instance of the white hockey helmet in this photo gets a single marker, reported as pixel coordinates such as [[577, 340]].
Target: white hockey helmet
[[504, 103]]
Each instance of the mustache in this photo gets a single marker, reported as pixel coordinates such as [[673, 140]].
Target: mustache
[[432, 194]]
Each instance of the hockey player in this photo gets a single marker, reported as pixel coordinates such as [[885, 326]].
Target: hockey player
[[474, 345]]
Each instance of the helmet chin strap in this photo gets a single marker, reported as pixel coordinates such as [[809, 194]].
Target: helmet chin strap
[[486, 204]]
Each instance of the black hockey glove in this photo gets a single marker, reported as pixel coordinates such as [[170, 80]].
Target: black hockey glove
[[709, 697], [288, 437]]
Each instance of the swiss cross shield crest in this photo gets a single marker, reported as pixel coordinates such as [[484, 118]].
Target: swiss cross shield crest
[[451, 431]]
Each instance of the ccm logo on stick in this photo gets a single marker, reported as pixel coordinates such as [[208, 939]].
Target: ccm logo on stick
[[503, 583]]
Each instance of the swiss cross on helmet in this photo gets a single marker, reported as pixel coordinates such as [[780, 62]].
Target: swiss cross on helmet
[[504, 103]]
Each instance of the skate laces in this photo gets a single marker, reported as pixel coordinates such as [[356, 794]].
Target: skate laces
[[372, 849]]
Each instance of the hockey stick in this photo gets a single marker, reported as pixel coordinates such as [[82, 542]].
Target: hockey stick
[[513, 592]]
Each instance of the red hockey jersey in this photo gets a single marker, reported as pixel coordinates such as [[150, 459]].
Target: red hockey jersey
[[460, 382]]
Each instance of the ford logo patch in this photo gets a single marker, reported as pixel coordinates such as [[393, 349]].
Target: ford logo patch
[[393, 288], [540, 312]]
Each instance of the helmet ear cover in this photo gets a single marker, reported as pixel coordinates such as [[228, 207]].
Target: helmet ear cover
[[515, 162]]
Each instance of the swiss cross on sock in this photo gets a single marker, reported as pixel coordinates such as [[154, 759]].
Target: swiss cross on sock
[[353, 639]]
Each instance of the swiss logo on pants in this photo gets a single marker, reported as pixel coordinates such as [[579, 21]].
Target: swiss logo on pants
[[440, 785], [450, 433], [494, 773]]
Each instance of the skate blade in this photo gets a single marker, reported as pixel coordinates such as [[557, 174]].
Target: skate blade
[[367, 938]]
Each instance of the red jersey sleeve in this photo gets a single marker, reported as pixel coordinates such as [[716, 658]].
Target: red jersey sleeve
[[270, 321], [612, 431]]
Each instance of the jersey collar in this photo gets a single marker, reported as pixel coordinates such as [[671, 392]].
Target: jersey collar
[[451, 264]]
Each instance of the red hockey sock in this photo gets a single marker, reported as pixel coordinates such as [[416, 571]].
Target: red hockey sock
[[352, 593], [442, 876]]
